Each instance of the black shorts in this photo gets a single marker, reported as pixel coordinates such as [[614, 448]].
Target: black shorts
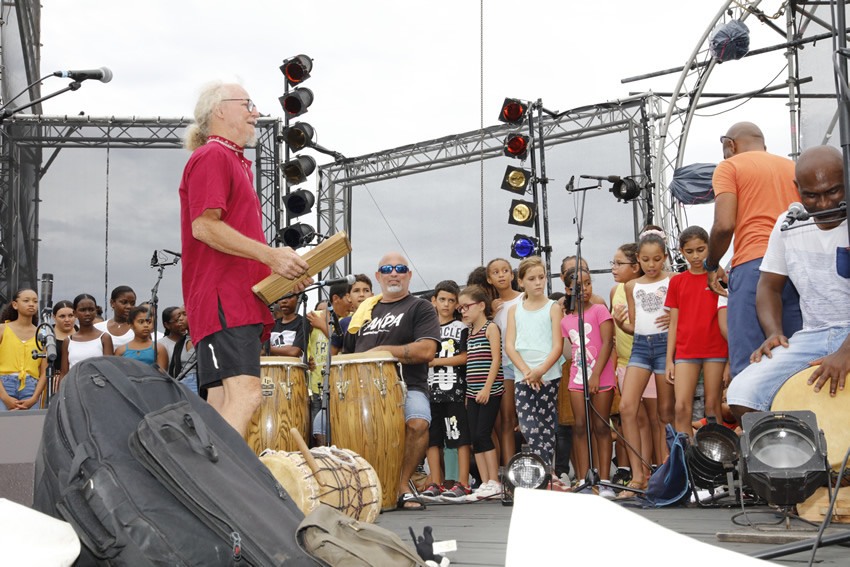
[[233, 351], [449, 425]]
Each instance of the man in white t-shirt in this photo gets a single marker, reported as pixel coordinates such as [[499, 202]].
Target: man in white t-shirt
[[805, 254]]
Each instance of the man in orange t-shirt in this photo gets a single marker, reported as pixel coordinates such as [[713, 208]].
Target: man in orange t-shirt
[[752, 188]]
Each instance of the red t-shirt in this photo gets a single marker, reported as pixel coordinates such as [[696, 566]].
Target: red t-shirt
[[697, 329], [764, 186], [217, 177]]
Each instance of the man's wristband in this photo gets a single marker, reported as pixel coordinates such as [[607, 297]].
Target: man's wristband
[[709, 268]]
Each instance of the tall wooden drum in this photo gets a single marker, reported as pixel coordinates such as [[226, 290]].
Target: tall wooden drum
[[796, 394], [367, 399], [285, 404]]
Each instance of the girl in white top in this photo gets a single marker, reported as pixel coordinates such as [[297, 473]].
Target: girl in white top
[[501, 276], [533, 343], [645, 298], [88, 342], [123, 299]]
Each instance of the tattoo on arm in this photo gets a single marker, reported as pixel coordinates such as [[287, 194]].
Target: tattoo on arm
[[406, 357]]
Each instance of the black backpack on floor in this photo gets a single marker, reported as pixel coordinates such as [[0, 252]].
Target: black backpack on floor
[[223, 506]]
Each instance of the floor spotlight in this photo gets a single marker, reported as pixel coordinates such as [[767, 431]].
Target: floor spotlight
[[516, 146], [783, 456], [524, 470], [299, 169], [625, 189], [516, 180], [513, 111], [522, 213], [296, 235], [713, 452], [524, 246], [297, 69]]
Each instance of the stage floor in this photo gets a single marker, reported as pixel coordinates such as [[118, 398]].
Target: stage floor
[[481, 530]]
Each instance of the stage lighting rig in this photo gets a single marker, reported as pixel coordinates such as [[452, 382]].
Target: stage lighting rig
[[297, 69], [299, 169], [516, 146], [513, 111], [522, 213], [297, 235], [298, 136], [295, 103], [625, 189], [516, 180], [525, 246]]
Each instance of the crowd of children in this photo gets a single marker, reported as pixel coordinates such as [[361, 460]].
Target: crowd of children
[[505, 349]]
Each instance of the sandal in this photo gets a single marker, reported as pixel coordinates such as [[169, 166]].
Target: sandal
[[633, 484], [407, 498]]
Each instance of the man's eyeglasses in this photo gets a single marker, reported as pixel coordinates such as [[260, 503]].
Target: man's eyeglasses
[[249, 104], [618, 264], [465, 307], [399, 269], [724, 138]]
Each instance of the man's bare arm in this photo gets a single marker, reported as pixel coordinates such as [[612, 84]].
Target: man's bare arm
[[423, 350]]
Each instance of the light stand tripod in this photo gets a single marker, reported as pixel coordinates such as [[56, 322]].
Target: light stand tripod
[[592, 478]]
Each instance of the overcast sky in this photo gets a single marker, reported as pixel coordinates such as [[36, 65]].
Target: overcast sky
[[386, 73]]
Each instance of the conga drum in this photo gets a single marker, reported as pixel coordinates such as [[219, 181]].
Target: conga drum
[[285, 404], [367, 399], [796, 394]]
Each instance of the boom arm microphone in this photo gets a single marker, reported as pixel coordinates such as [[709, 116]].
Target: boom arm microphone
[[349, 279], [796, 212], [609, 178], [104, 75]]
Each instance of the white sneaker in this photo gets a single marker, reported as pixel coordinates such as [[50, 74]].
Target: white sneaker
[[487, 490], [606, 492]]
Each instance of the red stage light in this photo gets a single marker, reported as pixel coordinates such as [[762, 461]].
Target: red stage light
[[513, 111], [516, 146]]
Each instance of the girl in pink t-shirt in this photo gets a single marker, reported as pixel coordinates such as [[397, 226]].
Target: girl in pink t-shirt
[[696, 338], [599, 344]]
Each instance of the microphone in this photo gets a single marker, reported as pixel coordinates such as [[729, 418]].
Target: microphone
[[609, 178], [796, 212], [45, 296], [48, 339], [349, 279], [104, 75], [154, 259]]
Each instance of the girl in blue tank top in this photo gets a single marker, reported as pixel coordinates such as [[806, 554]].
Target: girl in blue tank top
[[141, 347], [534, 345]]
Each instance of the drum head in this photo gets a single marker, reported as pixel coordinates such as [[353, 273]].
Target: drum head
[[281, 361], [373, 356], [796, 394]]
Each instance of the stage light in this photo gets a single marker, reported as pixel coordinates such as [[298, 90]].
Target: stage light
[[516, 180], [513, 111], [296, 102], [297, 69], [297, 170], [522, 213], [783, 456], [524, 470], [524, 246], [299, 202], [625, 189], [713, 452], [298, 136], [296, 235], [516, 146]]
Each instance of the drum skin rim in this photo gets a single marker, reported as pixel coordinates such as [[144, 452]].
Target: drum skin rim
[[374, 356], [281, 361]]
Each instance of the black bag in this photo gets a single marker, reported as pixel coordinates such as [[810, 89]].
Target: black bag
[[86, 475]]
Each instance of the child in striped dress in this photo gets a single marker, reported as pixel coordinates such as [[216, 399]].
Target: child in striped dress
[[483, 385]]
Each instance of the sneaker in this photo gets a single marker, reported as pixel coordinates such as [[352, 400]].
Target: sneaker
[[488, 490], [558, 485], [457, 493], [622, 476], [606, 492], [432, 493]]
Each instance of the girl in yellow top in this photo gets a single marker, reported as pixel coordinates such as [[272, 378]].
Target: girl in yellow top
[[23, 376]]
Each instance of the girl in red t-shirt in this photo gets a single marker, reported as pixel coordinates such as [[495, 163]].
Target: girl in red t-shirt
[[696, 338]]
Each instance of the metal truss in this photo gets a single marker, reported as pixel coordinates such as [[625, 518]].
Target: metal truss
[[23, 137], [633, 115]]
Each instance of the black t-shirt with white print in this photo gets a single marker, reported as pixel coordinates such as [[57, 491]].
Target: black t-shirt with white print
[[448, 383]]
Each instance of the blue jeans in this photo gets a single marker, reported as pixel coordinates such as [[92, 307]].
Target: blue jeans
[[745, 334], [757, 385], [191, 381], [11, 385], [417, 406]]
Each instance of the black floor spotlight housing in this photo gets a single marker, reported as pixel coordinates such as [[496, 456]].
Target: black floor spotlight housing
[[524, 470], [783, 456], [713, 455]]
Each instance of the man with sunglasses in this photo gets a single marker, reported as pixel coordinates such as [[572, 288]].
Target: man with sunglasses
[[409, 329], [225, 253], [752, 188]]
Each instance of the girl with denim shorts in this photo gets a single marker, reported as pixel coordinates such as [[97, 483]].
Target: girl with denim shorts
[[696, 338], [645, 297], [23, 377]]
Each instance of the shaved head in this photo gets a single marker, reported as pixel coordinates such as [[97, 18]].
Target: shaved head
[[820, 183], [745, 129], [743, 137], [820, 162]]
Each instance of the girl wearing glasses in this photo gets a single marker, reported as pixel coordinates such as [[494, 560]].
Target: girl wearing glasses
[[534, 345], [484, 385]]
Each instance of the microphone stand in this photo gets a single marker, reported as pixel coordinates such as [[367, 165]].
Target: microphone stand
[[6, 113], [154, 301], [592, 478], [839, 62]]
